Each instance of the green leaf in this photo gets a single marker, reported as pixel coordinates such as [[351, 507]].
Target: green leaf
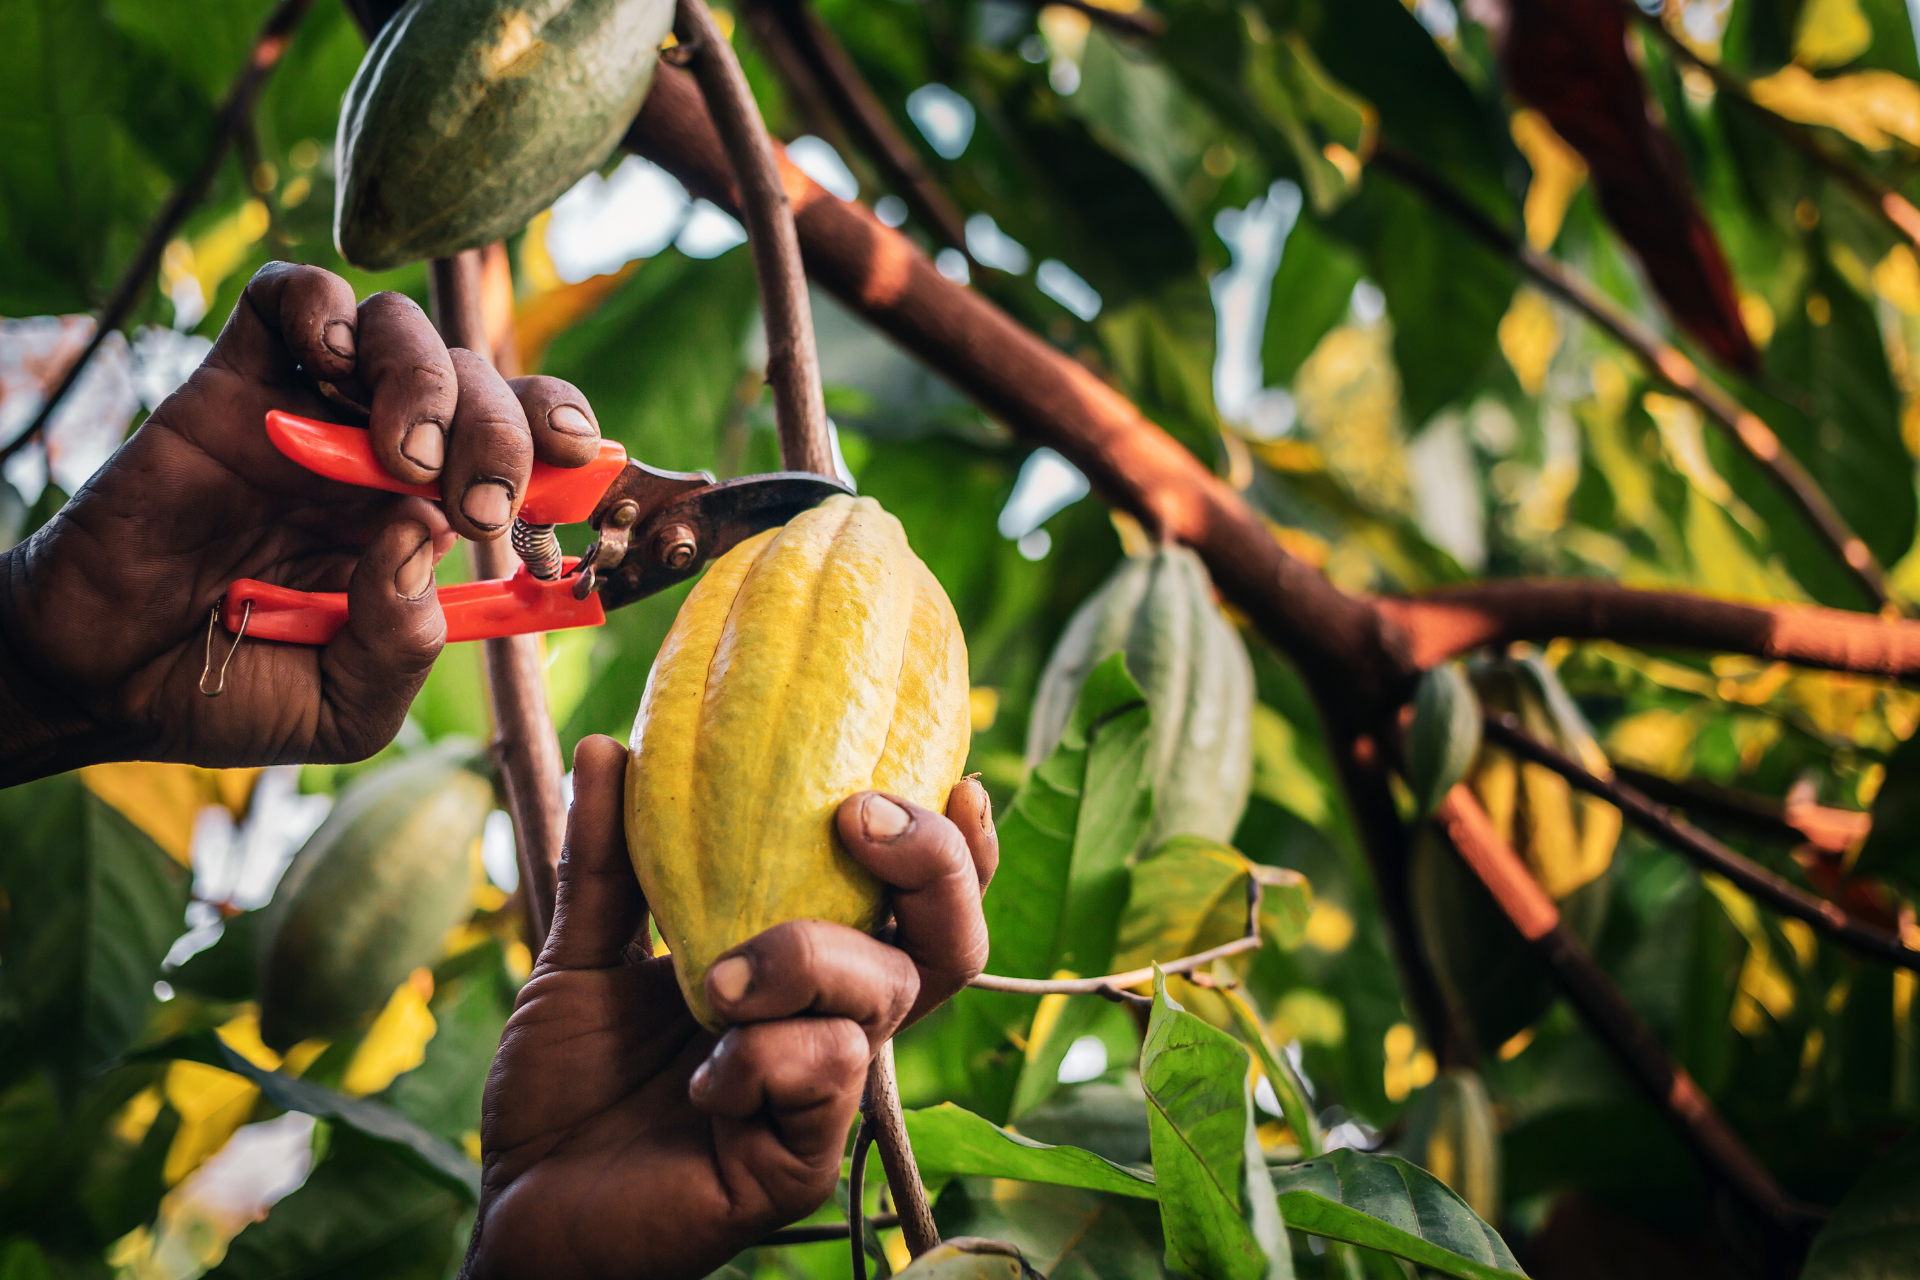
[[1893, 845], [1064, 1232], [1312, 290], [363, 1212], [1445, 736], [93, 905], [1874, 1233], [229, 969], [1161, 349], [951, 1142], [1383, 1202], [1190, 894], [1216, 1201], [377, 1122]]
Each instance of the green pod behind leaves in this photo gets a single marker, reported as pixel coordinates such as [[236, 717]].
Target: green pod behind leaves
[[1191, 663], [1452, 1135], [468, 117], [372, 895]]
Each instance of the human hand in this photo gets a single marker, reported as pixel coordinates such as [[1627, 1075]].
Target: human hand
[[621, 1138], [104, 612]]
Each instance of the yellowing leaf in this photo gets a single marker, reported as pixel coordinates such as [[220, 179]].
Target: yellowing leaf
[[397, 1041], [1897, 279], [214, 256], [1529, 336], [165, 800], [1558, 172], [983, 707], [1329, 928], [545, 316], [1874, 108], [1279, 772], [1831, 33], [1310, 1017], [212, 1104]]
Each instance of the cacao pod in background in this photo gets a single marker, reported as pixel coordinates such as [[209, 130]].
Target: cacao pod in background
[[811, 662], [1566, 838], [1192, 665], [372, 894], [468, 117], [1452, 1135]]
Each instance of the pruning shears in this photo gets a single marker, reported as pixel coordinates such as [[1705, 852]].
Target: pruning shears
[[656, 528]]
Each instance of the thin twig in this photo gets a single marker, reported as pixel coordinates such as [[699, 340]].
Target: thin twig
[[815, 1233], [1883, 200], [1832, 831], [1118, 982], [857, 1189], [793, 363], [860, 111], [1664, 361], [1607, 1014], [276, 33], [1705, 852]]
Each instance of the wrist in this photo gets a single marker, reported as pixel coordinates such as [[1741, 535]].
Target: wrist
[[41, 731]]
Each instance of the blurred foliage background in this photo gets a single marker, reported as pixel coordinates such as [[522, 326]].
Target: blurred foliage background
[[1198, 217]]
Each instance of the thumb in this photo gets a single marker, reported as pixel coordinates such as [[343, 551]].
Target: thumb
[[599, 910], [371, 671]]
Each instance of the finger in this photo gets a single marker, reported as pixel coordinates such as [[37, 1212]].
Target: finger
[[970, 808], [407, 379], [936, 888], [565, 432], [808, 1072], [813, 967], [372, 670], [290, 318], [489, 452], [599, 909]]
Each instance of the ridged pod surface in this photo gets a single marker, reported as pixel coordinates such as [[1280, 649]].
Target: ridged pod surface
[[372, 894], [811, 662], [468, 117], [1193, 667]]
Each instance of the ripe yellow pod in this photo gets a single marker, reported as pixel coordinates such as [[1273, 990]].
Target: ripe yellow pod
[[811, 662]]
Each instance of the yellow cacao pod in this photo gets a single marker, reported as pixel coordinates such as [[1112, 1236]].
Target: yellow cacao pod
[[811, 662]]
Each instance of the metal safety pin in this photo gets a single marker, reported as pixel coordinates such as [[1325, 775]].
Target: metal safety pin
[[220, 680]]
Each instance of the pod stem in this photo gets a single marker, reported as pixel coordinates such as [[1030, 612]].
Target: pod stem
[[793, 361]]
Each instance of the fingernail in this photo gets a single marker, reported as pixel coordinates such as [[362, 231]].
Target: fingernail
[[730, 978], [415, 575], [425, 445], [339, 339], [700, 1074], [883, 819], [488, 503], [569, 421]]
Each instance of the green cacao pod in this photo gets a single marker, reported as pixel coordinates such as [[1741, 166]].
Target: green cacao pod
[[1566, 838], [372, 895], [1452, 1135], [1193, 667], [468, 117]]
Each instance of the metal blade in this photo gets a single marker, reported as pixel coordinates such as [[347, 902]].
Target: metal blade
[[678, 540]]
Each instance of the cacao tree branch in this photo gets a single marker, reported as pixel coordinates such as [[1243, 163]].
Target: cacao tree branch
[[1662, 359], [882, 1113], [525, 745], [275, 34], [1451, 621], [793, 363], [1608, 1015], [1706, 853], [1832, 831], [815, 1233], [1886, 203]]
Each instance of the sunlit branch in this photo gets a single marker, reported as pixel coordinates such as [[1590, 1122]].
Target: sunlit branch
[[1705, 852], [1889, 205], [262, 56], [1832, 831], [1441, 624], [1663, 360], [1613, 1021]]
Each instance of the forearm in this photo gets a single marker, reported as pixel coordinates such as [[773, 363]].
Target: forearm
[[41, 732]]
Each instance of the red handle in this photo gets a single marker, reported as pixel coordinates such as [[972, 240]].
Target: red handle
[[555, 495], [475, 610]]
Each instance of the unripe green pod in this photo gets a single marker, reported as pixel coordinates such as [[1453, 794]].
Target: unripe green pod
[[372, 894], [468, 117], [1452, 1135], [1193, 667]]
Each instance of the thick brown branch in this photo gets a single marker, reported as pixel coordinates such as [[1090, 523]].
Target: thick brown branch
[[1050, 399], [1707, 853], [1664, 361], [793, 364], [1441, 624], [1607, 1014], [272, 41], [1831, 831], [882, 1112]]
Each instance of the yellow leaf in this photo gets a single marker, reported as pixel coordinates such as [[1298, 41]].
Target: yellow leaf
[[1047, 1016], [1658, 741], [1310, 1017], [1874, 108], [545, 316], [131, 1122], [397, 1041], [1329, 928], [1529, 336], [983, 707], [1831, 33], [165, 800], [1897, 279], [1558, 172], [212, 1104]]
